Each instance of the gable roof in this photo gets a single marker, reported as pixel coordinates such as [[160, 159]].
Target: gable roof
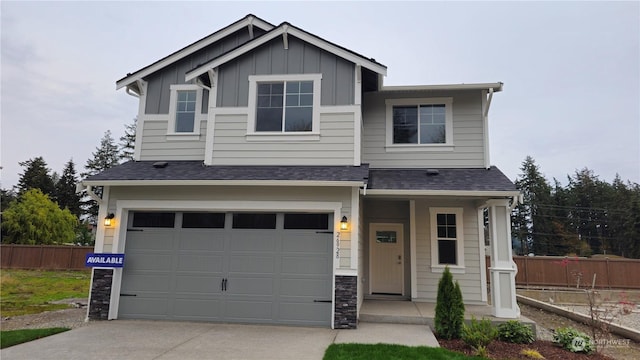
[[285, 29], [249, 20], [195, 173]]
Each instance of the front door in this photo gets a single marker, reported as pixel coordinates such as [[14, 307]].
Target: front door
[[386, 262]]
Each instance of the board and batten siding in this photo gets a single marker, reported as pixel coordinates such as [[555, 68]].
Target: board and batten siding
[[158, 91], [157, 145], [468, 133], [236, 194], [300, 58], [427, 280], [334, 147]]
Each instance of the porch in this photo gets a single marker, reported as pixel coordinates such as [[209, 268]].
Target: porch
[[421, 313]]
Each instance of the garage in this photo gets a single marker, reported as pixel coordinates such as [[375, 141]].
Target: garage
[[245, 267]]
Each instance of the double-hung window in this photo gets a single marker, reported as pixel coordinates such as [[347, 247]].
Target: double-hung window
[[284, 104], [419, 123], [447, 240], [184, 109]]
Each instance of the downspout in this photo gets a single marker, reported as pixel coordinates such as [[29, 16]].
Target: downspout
[[485, 120]]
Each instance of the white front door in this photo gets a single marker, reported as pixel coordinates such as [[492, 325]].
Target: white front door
[[386, 263]]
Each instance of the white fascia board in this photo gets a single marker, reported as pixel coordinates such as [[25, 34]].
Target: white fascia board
[[221, 183], [467, 193], [198, 45], [322, 44], [480, 86]]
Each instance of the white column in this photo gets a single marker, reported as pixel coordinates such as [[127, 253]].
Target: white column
[[503, 269]]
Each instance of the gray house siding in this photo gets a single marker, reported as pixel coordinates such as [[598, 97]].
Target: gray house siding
[[468, 133], [300, 58], [156, 145], [158, 83]]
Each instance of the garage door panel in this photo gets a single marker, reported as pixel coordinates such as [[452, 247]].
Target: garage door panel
[[141, 307], [252, 264], [295, 241], [305, 265], [198, 284], [251, 240], [307, 313], [248, 310], [197, 309], [147, 261], [316, 288], [206, 240], [138, 282], [258, 286], [200, 262], [149, 240]]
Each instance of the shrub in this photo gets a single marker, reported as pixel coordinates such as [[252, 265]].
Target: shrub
[[449, 307], [479, 334], [532, 353], [573, 340], [514, 331]]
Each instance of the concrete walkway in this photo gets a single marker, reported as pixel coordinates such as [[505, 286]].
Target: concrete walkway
[[138, 339]]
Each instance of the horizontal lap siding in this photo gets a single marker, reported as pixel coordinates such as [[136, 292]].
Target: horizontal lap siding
[[156, 145], [468, 134], [470, 281], [335, 147]]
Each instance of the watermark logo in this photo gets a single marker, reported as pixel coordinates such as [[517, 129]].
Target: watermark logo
[[578, 344]]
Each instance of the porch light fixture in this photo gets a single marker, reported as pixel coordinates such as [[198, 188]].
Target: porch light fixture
[[344, 223], [108, 220]]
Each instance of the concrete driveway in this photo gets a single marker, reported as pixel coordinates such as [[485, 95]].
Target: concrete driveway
[[139, 339]]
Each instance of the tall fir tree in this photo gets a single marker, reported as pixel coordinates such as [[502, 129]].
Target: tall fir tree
[[106, 156], [66, 195], [532, 219], [128, 141], [36, 176]]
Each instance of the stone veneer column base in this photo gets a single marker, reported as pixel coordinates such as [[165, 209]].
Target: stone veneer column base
[[100, 294], [346, 304]]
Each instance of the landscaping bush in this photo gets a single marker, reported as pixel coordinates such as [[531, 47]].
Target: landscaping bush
[[573, 340], [479, 334], [514, 331], [449, 315]]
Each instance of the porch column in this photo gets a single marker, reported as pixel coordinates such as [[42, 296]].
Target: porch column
[[503, 269]]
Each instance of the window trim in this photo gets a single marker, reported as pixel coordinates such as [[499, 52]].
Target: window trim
[[173, 99], [313, 135], [436, 267], [448, 105]]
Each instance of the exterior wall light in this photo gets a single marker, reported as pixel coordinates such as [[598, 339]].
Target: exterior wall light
[[344, 223], [108, 220]]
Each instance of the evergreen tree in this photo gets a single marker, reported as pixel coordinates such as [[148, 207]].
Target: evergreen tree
[[449, 313], [128, 141], [35, 176], [6, 197], [532, 219], [34, 219], [66, 195], [106, 156]]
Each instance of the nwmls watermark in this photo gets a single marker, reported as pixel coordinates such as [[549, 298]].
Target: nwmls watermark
[[578, 343]]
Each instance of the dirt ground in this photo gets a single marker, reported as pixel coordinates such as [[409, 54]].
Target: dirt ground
[[618, 348]]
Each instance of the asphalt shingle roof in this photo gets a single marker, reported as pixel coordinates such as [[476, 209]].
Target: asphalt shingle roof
[[195, 170], [491, 179]]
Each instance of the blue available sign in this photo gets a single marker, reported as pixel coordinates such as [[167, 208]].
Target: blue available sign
[[104, 260]]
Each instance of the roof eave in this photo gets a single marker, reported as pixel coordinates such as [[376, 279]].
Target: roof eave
[[497, 86], [190, 49], [222, 183], [465, 193]]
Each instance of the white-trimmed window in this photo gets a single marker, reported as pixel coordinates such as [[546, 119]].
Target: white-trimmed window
[[447, 239], [184, 109], [419, 123], [284, 104]]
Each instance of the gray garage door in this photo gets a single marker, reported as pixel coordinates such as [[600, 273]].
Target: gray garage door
[[231, 267]]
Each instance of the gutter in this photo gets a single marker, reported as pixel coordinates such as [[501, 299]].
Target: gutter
[[89, 183], [470, 193]]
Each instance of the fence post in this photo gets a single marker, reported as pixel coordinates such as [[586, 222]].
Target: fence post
[[40, 260], [608, 279], [566, 272]]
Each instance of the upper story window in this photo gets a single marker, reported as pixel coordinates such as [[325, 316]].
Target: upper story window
[[447, 240], [284, 104], [184, 109], [420, 123]]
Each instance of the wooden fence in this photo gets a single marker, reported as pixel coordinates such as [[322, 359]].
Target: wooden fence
[[45, 257], [554, 271]]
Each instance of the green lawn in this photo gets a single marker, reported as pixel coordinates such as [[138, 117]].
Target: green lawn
[[15, 337], [30, 291], [390, 352]]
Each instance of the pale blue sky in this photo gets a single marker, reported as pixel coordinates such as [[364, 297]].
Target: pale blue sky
[[571, 69]]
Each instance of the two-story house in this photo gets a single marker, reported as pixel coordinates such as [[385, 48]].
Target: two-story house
[[277, 180]]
